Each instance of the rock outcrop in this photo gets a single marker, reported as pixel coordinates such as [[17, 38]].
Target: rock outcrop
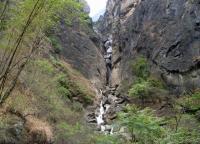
[[81, 47], [83, 53], [167, 32]]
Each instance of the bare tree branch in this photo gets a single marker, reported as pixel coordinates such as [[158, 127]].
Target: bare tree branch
[[4, 10]]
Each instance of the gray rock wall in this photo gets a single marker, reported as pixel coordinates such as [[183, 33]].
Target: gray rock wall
[[83, 53], [167, 32]]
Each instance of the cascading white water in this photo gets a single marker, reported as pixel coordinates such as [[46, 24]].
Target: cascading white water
[[101, 113], [100, 118]]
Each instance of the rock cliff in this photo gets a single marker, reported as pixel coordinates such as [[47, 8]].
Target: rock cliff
[[81, 47], [167, 32], [83, 52]]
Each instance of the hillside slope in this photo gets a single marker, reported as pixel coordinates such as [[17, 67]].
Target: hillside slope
[[59, 81]]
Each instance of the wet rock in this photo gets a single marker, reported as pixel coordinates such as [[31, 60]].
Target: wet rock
[[98, 128], [92, 120], [109, 104], [119, 101], [108, 128], [106, 101], [91, 115], [119, 108], [111, 113], [117, 94], [112, 99], [105, 92]]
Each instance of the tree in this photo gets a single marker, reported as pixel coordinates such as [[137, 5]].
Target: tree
[[24, 32], [143, 126]]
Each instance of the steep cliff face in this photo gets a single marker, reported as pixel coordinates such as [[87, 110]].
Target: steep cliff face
[[82, 51], [167, 32], [80, 47]]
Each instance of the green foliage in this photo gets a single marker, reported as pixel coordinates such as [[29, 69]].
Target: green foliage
[[140, 68], [77, 107], [142, 124], [105, 139], [182, 136], [48, 13], [145, 85], [50, 97], [141, 87], [43, 82], [5, 136], [156, 83], [191, 101], [35, 17], [63, 86], [44, 65], [145, 128], [144, 89], [82, 91], [55, 43], [68, 130], [140, 90]]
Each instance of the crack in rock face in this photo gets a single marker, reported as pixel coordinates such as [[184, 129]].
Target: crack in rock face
[[167, 33]]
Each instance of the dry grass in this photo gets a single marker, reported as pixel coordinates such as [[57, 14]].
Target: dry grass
[[39, 128], [80, 80], [36, 95]]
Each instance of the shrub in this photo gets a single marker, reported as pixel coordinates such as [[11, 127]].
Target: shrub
[[77, 107], [55, 43], [67, 131], [145, 85], [182, 136], [191, 102], [155, 82], [140, 68], [140, 90], [44, 65], [143, 126], [146, 128], [105, 139], [63, 86]]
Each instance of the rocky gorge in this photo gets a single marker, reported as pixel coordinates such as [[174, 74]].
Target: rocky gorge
[[165, 32], [63, 96]]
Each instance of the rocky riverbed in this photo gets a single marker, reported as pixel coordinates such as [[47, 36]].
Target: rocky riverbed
[[104, 112]]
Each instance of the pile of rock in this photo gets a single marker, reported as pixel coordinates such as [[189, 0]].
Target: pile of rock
[[112, 102]]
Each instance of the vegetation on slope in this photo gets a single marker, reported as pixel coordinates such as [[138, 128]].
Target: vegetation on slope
[[49, 97], [23, 26], [146, 87], [174, 121]]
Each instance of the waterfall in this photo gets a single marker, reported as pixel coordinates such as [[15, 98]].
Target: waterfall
[[110, 100], [107, 129], [101, 113]]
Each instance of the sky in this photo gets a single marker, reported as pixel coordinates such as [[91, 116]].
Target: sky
[[97, 8]]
